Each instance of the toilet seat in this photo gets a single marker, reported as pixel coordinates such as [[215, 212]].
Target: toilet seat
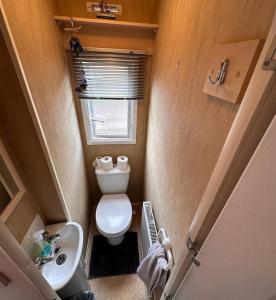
[[113, 215]]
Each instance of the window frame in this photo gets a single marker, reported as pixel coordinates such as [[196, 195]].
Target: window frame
[[92, 139]]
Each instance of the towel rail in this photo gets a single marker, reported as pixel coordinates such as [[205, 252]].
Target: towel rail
[[166, 243]]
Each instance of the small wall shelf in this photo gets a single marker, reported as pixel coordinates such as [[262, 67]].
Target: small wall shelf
[[106, 23]]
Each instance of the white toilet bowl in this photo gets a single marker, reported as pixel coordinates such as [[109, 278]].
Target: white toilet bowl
[[113, 217]]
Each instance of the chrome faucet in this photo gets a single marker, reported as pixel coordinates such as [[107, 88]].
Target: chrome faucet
[[50, 238], [40, 261]]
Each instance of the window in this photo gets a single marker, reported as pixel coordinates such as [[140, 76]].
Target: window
[[110, 121], [115, 81]]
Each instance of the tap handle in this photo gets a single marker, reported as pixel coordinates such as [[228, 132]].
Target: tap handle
[[45, 235]]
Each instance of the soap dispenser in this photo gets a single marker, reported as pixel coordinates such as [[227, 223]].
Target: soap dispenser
[[41, 247]]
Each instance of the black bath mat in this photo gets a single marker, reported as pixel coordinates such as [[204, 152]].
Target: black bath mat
[[107, 260]]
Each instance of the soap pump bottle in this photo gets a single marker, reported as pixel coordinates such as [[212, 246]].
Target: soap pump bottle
[[41, 247]]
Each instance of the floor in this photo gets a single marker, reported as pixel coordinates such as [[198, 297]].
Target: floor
[[124, 287]]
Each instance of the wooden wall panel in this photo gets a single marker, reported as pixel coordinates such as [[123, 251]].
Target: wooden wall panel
[[20, 139], [114, 38], [118, 39], [186, 128], [135, 152], [133, 11], [20, 220], [40, 48]]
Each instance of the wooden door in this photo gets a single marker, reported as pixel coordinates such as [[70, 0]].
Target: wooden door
[[14, 284], [238, 258]]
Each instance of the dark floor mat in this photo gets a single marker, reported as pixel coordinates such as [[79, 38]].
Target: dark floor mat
[[107, 260]]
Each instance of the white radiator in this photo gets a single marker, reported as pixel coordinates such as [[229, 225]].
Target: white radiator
[[148, 228]]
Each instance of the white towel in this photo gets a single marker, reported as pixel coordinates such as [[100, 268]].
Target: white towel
[[151, 270]]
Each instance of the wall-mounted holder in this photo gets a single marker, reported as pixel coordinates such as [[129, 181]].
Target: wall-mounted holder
[[104, 10], [221, 73], [72, 28], [166, 243], [237, 62]]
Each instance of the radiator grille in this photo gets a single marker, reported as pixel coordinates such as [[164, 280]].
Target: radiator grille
[[148, 228]]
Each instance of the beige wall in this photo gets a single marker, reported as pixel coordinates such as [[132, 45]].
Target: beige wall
[[135, 152], [39, 43], [121, 39], [186, 129], [21, 141]]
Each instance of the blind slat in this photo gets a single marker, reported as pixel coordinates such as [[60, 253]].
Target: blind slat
[[109, 59], [111, 75]]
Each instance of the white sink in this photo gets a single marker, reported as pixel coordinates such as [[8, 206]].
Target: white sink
[[70, 242]]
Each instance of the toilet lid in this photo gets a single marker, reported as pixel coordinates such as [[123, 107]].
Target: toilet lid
[[113, 213]]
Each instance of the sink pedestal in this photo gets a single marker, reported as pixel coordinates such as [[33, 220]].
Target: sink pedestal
[[78, 283]]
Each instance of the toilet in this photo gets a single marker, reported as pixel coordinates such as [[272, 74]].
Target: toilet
[[114, 210]]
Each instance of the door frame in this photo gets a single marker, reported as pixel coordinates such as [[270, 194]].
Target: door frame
[[256, 111]]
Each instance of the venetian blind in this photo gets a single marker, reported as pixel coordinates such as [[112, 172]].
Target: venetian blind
[[114, 76]]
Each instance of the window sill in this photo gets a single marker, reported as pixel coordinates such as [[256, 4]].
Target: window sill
[[111, 142]]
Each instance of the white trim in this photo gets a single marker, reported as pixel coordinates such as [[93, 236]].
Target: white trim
[[110, 140]]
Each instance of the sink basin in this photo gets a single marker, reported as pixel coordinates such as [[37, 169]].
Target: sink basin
[[59, 272]]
